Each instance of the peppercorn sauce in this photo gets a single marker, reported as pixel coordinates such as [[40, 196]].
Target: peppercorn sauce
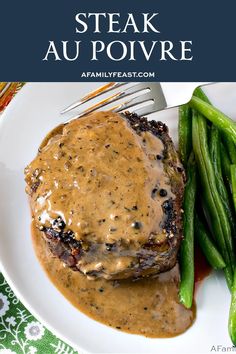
[[148, 307]]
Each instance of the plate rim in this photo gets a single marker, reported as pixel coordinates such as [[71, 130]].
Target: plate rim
[[5, 273]]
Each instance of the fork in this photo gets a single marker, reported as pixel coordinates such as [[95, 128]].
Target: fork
[[152, 96]]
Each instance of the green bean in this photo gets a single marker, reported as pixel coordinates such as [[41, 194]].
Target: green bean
[[214, 147], [218, 118], [232, 150], [232, 313], [233, 180], [230, 147], [225, 164], [185, 133], [216, 214], [200, 94], [185, 127], [210, 251], [187, 246]]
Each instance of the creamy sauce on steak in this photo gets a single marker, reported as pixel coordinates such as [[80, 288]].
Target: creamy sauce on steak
[[148, 307], [106, 183]]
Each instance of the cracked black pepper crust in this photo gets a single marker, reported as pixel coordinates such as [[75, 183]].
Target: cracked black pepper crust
[[172, 165], [150, 259]]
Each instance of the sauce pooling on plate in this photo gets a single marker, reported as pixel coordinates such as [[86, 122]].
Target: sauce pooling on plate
[[148, 307]]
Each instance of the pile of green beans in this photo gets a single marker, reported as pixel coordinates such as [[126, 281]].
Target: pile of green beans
[[207, 148]]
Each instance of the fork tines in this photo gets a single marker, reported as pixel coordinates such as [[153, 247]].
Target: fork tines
[[149, 95], [99, 91]]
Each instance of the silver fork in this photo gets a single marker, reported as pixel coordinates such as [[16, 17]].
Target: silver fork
[[152, 96]]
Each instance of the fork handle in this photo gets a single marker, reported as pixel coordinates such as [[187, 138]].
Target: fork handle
[[178, 93]]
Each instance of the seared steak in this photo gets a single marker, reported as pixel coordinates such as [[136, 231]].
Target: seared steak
[[106, 191]]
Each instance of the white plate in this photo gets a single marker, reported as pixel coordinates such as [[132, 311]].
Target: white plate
[[32, 113]]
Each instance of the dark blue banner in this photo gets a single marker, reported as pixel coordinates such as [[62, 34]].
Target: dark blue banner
[[88, 40]]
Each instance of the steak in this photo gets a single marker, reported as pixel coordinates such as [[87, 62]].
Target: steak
[[106, 193]]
